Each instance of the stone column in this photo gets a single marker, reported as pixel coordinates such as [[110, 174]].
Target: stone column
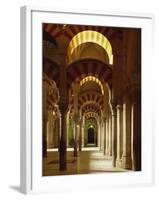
[[136, 130], [63, 135], [47, 134], [44, 149], [98, 134], [114, 136], [107, 136], [63, 106], [119, 135], [45, 118], [101, 135], [75, 88], [83, 125], [104, 135], [80, 135], [76, 135], [57, 132], [54, 133], [68, 124], [110, 136], [126, 156]]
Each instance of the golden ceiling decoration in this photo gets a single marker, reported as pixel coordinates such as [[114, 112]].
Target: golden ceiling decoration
[[90, 36], [94, 79]]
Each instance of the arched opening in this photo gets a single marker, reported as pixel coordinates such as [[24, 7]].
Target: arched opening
[[91, 136], [91, 105], [89, 50], [90, 80], [91, 132], [90, 36]]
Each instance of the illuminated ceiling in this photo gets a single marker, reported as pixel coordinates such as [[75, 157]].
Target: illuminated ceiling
[[94, 79], [90, 36]]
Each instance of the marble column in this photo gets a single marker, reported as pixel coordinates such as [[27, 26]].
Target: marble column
[[76, 88], [104, 135], [63, 136], [45, 118], [126, 156], [114, 137], [119, 135], [80, 136], [83, 126], [98, 144], [101, 135], [57, 132], [107, 136], [136, 132], [68, 124], [76, 135], [44, 150], [63, 107], [110, 136]]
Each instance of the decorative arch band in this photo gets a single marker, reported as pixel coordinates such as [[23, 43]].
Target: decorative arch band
[[90, 36]]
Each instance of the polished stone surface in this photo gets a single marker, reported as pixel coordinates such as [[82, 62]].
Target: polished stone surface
[[89, 161]]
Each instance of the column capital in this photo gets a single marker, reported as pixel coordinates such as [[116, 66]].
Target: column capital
[[119, 107]]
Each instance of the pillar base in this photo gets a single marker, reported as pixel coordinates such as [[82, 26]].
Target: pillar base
[[114, 161], [63, 161], [110, 154], [63, 167], [119, 163], [75, 152], [126, 162]]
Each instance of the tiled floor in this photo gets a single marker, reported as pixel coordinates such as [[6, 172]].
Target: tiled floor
[[90, 160]]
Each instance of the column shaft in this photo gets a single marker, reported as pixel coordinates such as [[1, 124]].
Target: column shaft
[[114, 138], [80, 137], [136, 136], [119, 135], [63, 162], [75, 139], [63, 106], [101, 135], [107, 136], [104, 135], [98, 132], [126, 156], [44, 137], [110, 136]]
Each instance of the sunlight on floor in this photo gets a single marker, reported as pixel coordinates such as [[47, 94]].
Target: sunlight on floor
[[89, 160]]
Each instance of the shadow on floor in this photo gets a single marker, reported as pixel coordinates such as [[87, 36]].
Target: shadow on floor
[[15, 188]]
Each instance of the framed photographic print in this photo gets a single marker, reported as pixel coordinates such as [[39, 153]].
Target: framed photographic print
[[86, 115]]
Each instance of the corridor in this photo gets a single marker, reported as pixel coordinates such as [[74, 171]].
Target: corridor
[[90, 160], [91, 99]]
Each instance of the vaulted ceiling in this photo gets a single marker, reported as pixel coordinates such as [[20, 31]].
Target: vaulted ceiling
[[87, 59]]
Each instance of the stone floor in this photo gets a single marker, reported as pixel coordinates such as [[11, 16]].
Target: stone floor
[[89, 160]]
